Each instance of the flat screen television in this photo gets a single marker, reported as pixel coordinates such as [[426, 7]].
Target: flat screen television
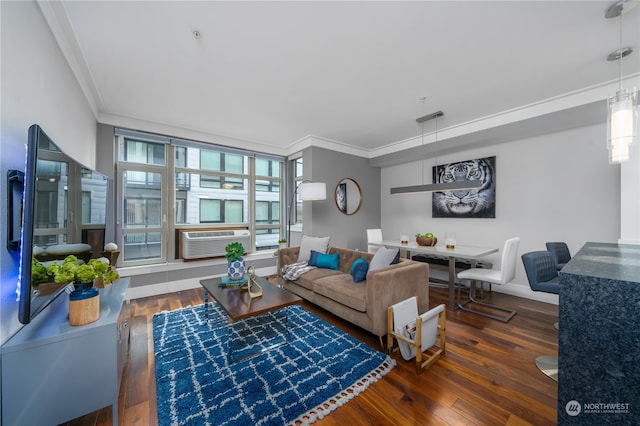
[[63, 208]]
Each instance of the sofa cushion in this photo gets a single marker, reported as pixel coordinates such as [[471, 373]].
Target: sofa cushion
[[328, 261], [319, 244], [341, 288], [359, 270], [306, 280], [347, 257], [384, 257]]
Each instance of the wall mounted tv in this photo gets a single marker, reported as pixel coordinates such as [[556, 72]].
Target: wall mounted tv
[[63, 212]]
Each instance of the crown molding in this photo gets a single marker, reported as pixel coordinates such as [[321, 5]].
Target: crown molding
[[333, 145], [178, 131]]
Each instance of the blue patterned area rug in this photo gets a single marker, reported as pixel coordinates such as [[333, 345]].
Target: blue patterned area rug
[[318, 369]]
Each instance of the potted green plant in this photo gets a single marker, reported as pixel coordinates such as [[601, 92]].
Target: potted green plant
[[235, 262], [82, 275], [282, 242]]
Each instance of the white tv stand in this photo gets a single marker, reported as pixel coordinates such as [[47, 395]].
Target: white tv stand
[[53, 372]]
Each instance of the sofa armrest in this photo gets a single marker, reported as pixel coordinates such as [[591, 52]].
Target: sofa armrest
[[287, 256], [393, 284]]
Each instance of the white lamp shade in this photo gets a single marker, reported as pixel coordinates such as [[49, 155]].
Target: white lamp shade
[[621, 124], [309, 191]]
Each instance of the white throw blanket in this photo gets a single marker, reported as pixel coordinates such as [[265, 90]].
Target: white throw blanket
[[293, 271]]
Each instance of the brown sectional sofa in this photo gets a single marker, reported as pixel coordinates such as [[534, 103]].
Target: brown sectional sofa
[[365, 303]]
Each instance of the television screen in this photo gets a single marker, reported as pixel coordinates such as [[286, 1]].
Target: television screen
[[63, 213]]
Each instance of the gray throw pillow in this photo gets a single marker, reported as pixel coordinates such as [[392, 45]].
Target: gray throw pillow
[[319, 244], [383, 257]]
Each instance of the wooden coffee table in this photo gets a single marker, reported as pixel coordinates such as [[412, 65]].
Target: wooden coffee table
[[239, 306]]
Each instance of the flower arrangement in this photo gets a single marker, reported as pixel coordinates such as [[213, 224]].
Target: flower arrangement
[[234, 251]]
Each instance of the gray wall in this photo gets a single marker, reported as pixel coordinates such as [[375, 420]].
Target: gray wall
[[37, 87], [323, 165], [555, 187], [105, 164]]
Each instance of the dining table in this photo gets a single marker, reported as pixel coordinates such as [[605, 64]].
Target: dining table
[[471, 253]]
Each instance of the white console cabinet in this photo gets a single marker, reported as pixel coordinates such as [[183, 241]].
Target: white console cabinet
[[53, 372]]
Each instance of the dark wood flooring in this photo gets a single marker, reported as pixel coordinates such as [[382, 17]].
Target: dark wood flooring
[[487, 377]]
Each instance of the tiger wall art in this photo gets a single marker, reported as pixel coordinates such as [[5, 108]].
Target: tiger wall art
[[466, 203]]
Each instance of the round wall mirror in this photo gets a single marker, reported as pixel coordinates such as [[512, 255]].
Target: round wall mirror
[[348, 196]]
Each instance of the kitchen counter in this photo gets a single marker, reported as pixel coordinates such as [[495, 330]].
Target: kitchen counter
[[599, 336]]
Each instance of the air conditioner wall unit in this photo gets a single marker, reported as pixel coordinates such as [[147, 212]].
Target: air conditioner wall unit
[[201, 244]]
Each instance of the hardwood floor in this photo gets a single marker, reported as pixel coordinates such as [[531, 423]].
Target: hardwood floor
[[487, 376]]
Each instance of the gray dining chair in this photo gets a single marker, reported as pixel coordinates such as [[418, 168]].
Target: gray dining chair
[[542, 274], [560, 253], [502, 276]]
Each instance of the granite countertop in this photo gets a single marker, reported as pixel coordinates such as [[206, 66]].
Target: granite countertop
[[620, 262]]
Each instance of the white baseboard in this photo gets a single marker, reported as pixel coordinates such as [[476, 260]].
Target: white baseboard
[[526, 292], [173, 286], [520, 290]]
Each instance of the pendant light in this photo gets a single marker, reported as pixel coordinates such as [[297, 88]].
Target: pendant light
[[622, 114], [436, 187]]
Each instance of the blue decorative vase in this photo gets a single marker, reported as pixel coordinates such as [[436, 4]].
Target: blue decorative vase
[[83, 291], [236, 269]]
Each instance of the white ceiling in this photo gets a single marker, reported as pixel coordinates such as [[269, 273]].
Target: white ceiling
[[352, 72]]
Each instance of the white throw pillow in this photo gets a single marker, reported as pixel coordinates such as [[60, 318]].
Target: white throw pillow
[[383, 257], [319, 244]]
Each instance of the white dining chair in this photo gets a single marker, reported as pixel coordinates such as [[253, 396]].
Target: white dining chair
[[502, 276], [373, 236]]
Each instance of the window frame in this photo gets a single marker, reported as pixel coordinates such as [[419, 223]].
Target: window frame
[[178, 185]]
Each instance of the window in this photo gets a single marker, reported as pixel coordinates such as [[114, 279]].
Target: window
[[267, 168], [143, 206], [267, 212], [144, 152], [221, 211], [170, 184], [181, 210], [222, 162], [86, 207]]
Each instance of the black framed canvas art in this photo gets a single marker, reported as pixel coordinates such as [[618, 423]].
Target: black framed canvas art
[[341, 197], [467, 203]]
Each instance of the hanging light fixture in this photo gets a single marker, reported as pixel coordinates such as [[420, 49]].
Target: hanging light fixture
[[622, 114], [436, 187]]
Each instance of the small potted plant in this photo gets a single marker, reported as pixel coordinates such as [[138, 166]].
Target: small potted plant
[[106, 273], [282, 242], [82, 275], [235, 262]]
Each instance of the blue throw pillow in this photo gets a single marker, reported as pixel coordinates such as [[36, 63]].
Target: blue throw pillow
[[313, 258], [328, 261], [359, 270]]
